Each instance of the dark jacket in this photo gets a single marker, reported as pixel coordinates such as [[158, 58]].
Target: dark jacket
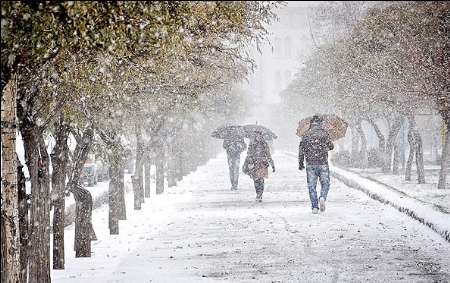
[[314, 147], [234, 146], [258, 160]]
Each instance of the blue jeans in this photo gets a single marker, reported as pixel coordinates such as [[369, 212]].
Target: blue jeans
[[233, 165], [314, 172]]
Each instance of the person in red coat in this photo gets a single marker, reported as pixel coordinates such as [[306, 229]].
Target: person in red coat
[[257, 163]]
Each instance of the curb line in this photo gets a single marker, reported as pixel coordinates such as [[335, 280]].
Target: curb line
[[444, 233]]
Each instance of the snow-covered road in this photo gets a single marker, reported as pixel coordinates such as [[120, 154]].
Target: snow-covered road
[[200, 231]]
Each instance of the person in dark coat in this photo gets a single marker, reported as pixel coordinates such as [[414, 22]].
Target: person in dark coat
[[234, 147], [257, 163], [314, 148]]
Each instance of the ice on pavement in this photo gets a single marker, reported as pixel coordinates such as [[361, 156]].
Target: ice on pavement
[[200, 231]]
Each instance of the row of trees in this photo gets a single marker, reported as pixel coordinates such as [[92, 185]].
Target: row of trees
[[111, 73], [391, 66]]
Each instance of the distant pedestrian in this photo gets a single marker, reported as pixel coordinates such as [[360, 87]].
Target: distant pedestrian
[[314, 148], [234, 147], [257, 163]]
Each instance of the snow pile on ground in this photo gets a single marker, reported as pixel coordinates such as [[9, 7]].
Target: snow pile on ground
[[423, 212], [427, 193]]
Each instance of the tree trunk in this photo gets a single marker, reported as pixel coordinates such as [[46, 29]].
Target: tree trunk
[[419, 160], [83, 198], [80, 156], [3, 246], [355, 147], [180, 167], [141, 182], [113, 215], [171, 178], [171, 167], [59, 164], [381, 138], [412, 149], [147, 172], [23, 223], [392, 138], [137, 180], [445, 160], [9, 208], [122, 211], [415, 148], [84, 232], [160, 170], [115, 209], [363, 152], [402, 145], [37, 162], [396, 161]]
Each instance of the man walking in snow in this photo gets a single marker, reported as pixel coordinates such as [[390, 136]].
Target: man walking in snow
[[234, 147], [314, 148]]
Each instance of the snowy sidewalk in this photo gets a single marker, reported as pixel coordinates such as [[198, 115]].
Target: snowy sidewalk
[[200, 231]]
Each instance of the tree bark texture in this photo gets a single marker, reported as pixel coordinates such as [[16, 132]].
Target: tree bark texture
[[137, 178], [392, 139], [9, 208], [59, 164], [419, 160], [83, 198], [147, 180], [396, 160], [415, 149], [113, 211], [84, 144], [122, 211], [381, 138], [116, 195], [445, 160], [23, 223], [171, 166], [412, 149], [179, 166], [84, 232], [37, 160], [160, 170]]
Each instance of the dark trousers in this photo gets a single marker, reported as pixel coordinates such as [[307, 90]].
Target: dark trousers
[[233, 165], [259, 186]]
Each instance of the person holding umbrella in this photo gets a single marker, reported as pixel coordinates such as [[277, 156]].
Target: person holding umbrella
[[233, 143], [313, 148], [234, 146], [257, 162]]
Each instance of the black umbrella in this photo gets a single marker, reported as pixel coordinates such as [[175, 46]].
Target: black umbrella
[[250, 131], [231, 131]]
